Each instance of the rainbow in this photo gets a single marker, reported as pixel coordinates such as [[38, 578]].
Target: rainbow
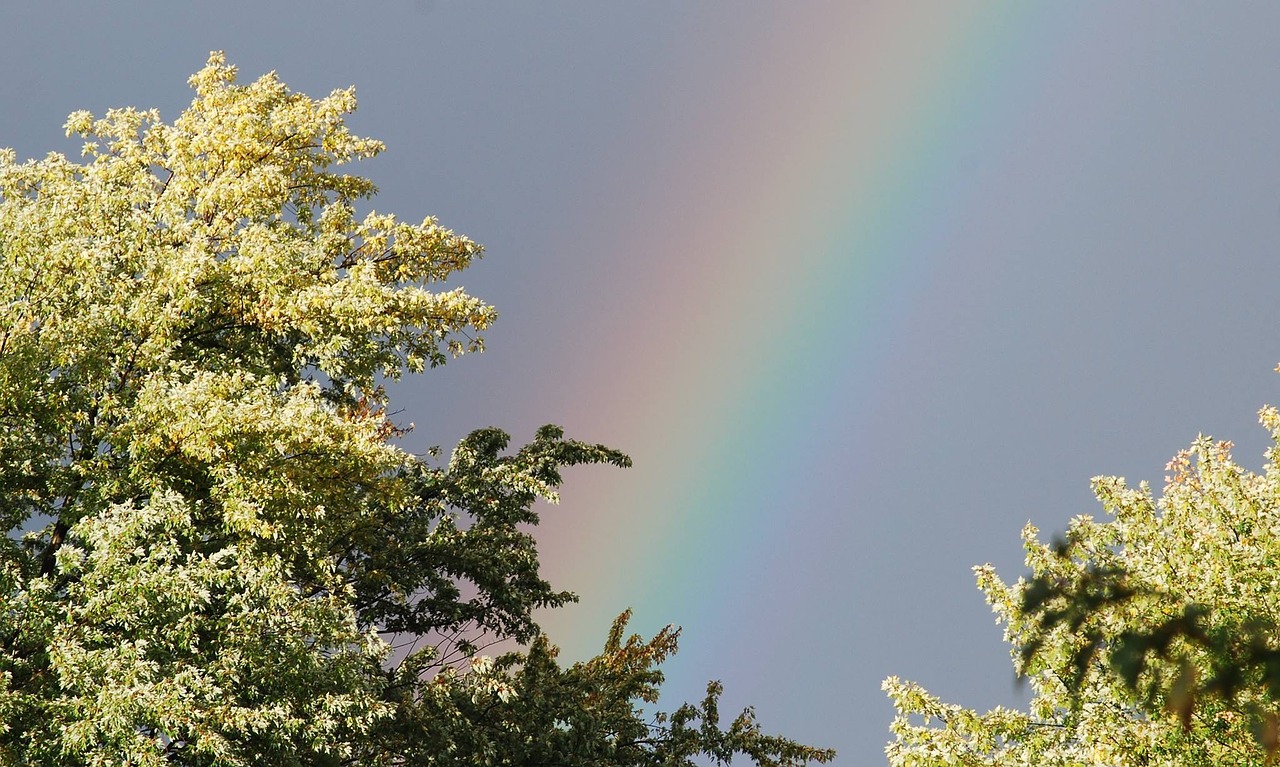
[[783, 247]]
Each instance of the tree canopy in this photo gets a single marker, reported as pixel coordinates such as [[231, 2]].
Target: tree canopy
[[1147, 639], [218, 553]]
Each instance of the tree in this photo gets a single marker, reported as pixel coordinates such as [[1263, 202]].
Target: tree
[[217, 552], [1147, 639]]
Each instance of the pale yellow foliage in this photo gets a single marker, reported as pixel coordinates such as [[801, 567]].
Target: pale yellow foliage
[[1211, 539]]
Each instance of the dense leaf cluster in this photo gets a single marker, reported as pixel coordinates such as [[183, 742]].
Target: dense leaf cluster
[[217, 553], [1147, 639]]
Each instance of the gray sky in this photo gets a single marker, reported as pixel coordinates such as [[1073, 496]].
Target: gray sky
[[862, 291]]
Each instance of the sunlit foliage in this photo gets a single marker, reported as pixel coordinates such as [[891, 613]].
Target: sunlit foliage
[[218, 554], [1148, 639]]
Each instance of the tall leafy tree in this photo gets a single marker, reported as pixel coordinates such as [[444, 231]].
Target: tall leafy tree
[[217, 553], [1149, 638]]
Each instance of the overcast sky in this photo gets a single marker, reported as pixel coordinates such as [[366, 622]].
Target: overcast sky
[[862, 287]]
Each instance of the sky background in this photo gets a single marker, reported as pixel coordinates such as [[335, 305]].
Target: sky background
[[861, 287]]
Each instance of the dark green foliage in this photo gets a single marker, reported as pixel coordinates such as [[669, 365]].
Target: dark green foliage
[[594, 713]]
